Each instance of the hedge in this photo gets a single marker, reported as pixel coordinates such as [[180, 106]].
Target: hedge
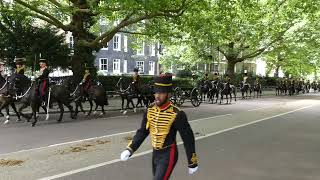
[[109, 82]]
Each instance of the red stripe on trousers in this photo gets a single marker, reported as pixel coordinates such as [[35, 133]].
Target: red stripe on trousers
[[171, 162], [43, 88]]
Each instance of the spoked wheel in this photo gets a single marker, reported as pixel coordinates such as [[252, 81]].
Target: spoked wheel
[[196, 97], [178, 98]]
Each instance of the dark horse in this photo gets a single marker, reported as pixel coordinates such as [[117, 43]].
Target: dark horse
[[257, 89], [128, 93], [245, 88], [57, 93], [214, 91], [227, 89], [7, 97], [94, 94]]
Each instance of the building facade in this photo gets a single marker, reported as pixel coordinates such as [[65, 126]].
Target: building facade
[[118, 57]]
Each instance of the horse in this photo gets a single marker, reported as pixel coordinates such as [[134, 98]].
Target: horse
[[205, 87], [214, 91], [225, 90], [7, 97], [94, 94], [257, 89], [29, 88], [245, 88], [291, 89], [144, 95]]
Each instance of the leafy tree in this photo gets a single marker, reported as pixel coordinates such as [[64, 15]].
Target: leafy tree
[[242, 30], [19, 38], [82, 17]]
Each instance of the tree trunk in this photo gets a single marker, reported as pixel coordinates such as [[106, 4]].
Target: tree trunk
[[82, 57], [276, 73], [230, 67]]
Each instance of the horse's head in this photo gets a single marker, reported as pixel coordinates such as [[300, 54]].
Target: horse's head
[[18, 82]]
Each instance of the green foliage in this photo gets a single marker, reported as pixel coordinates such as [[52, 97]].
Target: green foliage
[[20, 38]]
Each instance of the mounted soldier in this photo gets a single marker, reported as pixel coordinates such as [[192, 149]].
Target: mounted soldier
[[215, 78], [245, 78], [43, 81], [86, 82], [227, 79], [20, 68], [136, 81]]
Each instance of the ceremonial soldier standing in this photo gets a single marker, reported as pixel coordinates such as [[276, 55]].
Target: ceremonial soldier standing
[[43, 80], [19, 65], [162, 121]]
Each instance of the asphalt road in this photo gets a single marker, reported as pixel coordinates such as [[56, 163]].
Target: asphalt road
[[267, 138]]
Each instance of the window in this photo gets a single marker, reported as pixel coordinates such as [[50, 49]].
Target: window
[[153, 50], [71, 42], [151, 67], [105, 46], [117, 42], [125, 66], [140, 65], [141, 50], [116, 66], [125, 43], [103, 64]]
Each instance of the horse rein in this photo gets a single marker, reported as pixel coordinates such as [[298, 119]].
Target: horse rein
[[19, 97]]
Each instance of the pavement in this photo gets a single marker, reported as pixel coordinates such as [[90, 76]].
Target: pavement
[[266, 138]]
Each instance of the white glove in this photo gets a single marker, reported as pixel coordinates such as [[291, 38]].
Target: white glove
[[193, 170], [125, 155]]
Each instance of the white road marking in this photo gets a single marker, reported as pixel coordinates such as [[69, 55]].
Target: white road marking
[[149, 151], [99, 137]]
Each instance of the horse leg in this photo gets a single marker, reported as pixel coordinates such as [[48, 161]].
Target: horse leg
[[76, 108], [72, 113], [91, 105], [103, 111], [24, 115], [34, 108], [61, 111], [122, 104], [134, 107], [7, 116], [15, 110]]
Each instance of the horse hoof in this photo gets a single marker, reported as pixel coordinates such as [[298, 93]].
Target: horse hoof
[[101, 114], [7, 117], [124, 112], [95, 112], [18, 120], [135, 110], [33, 124], [6, 122], [121, 110]]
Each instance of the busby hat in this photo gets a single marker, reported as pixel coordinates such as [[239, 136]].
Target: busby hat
[[43, 61], [215, 73], [19, 60], [163, 83], [136, 69]]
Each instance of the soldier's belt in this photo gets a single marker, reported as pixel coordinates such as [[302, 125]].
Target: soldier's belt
[[164, 148]]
